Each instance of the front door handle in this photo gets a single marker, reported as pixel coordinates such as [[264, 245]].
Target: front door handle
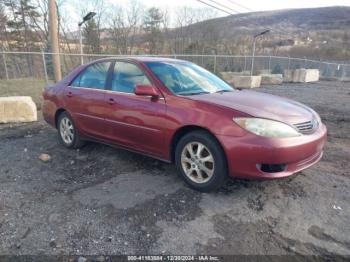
[[69, 94], [111, 101]]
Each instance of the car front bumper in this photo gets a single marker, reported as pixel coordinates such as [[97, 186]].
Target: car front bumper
[[245, 155]]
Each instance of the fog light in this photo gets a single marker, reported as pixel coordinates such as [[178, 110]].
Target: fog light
[[271, 168]]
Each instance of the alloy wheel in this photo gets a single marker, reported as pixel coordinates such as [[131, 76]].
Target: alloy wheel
[[66, 130], [197, 162]]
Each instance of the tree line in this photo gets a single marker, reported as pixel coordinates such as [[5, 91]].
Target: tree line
[[130, 29], [136, 29]]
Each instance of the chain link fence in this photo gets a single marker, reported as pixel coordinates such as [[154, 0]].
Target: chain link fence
[[38, 65]]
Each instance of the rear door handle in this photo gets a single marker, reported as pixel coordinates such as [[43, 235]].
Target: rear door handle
[[69, 94], [111, 101]]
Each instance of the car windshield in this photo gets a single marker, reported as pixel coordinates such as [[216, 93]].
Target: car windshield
[[183, 78]]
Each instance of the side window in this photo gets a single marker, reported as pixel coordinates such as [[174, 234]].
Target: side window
[[126, 76], [94, 76]]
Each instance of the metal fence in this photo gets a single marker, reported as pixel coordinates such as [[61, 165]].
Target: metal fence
[[38, 65]]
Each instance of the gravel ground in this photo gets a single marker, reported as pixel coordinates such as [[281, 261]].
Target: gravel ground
[[103, 201]]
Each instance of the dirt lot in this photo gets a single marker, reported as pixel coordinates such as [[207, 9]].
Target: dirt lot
[[102, 200]]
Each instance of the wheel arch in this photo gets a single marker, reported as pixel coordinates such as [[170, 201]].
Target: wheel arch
[[182, 131], [57, 114]]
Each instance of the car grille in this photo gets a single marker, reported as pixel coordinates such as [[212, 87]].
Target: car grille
[[306, 127]]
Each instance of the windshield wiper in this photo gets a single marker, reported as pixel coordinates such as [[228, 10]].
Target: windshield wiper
[[223, 90], [192, 93]]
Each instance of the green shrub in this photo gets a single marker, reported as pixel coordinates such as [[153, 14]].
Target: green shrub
[[277, 69]]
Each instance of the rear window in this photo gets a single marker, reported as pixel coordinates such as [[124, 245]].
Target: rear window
[[94, 76]]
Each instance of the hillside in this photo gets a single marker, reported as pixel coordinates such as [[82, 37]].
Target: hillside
[[288, 20], [316, 32]]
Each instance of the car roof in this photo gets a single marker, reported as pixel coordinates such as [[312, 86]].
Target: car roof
[[143, 59]]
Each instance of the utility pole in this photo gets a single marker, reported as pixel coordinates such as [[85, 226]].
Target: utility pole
[[81, 45], [54, 40]]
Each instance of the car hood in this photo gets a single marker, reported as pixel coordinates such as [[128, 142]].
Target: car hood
[[260, 105]]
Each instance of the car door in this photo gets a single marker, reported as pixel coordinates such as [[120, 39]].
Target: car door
[[85, 99], [131, 120]]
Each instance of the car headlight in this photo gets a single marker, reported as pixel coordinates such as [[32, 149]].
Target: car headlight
[[266, 127], [318, 118]]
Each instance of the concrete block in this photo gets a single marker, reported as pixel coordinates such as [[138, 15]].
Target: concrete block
[[288, 75], [306, 75], [245, 81], [228, 75], [344, 79], [312, 75], [15, 109], [271, 79], [298, 75], [263, 72], [244, 73]]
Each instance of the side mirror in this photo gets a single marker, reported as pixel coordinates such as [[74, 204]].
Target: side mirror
[[146, 90]]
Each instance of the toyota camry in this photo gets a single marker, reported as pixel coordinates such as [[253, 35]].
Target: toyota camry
[[178, 112]]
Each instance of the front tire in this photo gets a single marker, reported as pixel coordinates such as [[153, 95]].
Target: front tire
[[67, 132], [201, 161]]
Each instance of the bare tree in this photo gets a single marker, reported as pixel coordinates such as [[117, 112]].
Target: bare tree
[[184, 17], [135, 12], [117, 30], [125, 25], [189, 34], [167, 44]]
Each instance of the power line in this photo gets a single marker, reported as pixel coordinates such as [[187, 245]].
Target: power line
[[224, 6], [222, 10], [247, 8]]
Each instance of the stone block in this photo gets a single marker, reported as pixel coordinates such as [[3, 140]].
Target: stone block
[[306, 75], [228, 75], [16, 109], [271, 79], [312, 75], [263, 72], [245, 81], [288, 75]]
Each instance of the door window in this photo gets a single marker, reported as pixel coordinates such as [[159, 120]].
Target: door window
[[126, 76], [94, 76]]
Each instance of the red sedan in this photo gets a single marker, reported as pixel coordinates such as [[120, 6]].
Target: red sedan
[[178, 112]]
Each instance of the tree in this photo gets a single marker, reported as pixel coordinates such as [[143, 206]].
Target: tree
[[21, 25], [119, 32], [125, 25], [134, 16], [183, 20], [93, 28], [22, 19], [166, 31], [188, 39], [152, 26], [3, 23], [92, 37]]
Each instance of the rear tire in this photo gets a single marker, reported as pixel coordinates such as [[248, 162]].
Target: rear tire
[[67, 133], [201, 161]]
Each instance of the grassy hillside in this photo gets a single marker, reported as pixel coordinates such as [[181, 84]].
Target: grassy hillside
[[288, 20], [313, 32]]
